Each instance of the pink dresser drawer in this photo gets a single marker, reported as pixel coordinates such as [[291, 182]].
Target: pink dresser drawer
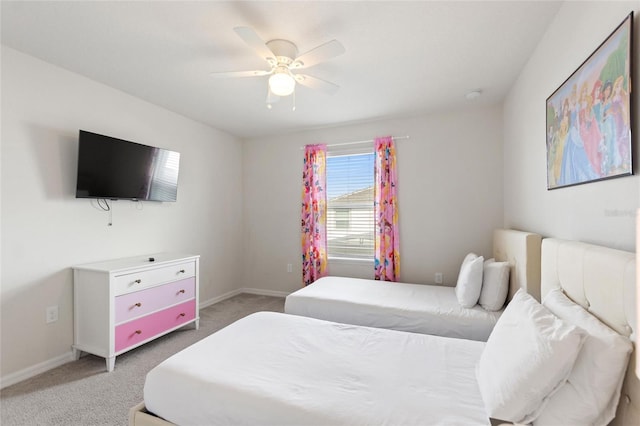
[[137, 331], [136, 304]]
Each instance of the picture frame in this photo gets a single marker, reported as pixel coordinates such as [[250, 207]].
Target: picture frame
[[589, 117]]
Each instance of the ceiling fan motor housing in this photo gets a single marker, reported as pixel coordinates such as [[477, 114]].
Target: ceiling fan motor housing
[[284, 50]]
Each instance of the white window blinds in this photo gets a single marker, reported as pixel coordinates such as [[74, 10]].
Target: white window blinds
[[350, 217], [164, 176]]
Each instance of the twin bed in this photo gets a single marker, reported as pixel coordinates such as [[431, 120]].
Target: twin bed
[[426, 309], [277, 369], [271, 368]]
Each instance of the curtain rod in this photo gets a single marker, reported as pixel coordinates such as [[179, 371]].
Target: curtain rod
[[395, 138]]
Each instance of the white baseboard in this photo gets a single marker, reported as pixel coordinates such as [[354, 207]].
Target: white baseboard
[[218, 299], [263, 292], [228, 295], [34, 370]]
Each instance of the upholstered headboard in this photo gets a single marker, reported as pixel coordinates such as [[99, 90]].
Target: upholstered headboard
[[603, 281], [522, 251]]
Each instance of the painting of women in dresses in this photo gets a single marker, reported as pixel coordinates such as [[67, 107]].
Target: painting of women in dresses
[[589, 116]]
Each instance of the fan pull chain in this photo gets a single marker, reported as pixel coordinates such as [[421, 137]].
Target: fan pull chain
[[269, 106]]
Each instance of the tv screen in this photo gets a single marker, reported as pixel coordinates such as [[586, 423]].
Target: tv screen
[[114, 169]]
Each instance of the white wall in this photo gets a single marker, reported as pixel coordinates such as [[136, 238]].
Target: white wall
[[600, 212], [450, 195], [45, 230]]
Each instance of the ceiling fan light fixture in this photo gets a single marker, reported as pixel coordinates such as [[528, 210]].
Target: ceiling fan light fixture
[[282, 82]]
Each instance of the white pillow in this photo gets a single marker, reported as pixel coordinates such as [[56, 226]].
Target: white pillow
[[591, 394], [469, 281], [529, 354], [495, 285]]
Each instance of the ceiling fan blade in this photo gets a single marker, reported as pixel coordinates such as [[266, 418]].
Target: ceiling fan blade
[[329, 50], [317, 83], [257, 73], [256, 43]]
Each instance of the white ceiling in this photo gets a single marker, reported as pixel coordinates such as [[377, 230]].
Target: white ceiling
[[402, 58]]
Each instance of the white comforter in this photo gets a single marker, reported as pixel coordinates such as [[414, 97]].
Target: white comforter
[[278, 369], [426, 309]]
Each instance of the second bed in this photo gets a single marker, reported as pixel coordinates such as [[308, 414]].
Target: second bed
[[425, 309]]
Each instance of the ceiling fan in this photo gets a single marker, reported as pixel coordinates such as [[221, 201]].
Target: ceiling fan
[[283, 60]]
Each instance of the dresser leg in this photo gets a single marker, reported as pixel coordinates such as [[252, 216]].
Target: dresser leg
[[197, 323], [111, 363]]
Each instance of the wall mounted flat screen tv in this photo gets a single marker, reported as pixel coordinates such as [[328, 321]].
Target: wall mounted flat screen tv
[[112, 168]]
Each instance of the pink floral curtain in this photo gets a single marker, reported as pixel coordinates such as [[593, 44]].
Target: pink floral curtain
[[387, 243], [314, 213]]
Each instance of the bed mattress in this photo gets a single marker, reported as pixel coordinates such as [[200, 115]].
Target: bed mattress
[[278, 369], [425, 309]]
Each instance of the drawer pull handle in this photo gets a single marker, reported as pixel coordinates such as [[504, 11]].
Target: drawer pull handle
[[181, 271], [138, 281], [138, 331], [182, 314], [138, 304], [181, 291]]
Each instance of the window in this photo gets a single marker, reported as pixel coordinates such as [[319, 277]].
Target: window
[[342, 218], [350, 216], [164, 175]]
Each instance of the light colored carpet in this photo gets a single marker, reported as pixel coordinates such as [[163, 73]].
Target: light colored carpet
[[83, 393]]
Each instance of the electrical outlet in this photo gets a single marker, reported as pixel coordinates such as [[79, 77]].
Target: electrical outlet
[[289, 267], [52, 314], [438, 277]]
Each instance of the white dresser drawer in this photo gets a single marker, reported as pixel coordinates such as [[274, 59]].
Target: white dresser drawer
[[127, 283]]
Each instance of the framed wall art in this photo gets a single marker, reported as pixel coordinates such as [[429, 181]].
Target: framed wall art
[[589, 116]]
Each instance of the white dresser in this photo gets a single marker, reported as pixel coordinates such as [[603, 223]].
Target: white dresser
[[124, 303]]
